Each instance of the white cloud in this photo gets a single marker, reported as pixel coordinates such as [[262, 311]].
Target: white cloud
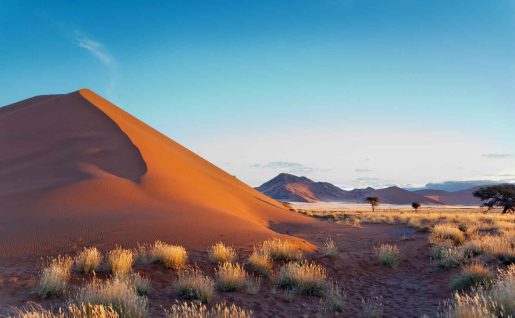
[[102, 54], [498, 155]]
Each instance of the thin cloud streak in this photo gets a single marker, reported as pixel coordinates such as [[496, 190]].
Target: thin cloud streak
[[498, 155]]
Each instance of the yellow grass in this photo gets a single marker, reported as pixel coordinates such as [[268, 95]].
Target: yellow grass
[[230, 277], [303, 278], [473, 275], [72, 311], [192, 284], [388, 255], [220, 253], [116, 292], [260, 262], [279, 249], [330, 248], [193, 310], [88, 260], [172, 256], [446, 232], [120, 261], [54, 277]]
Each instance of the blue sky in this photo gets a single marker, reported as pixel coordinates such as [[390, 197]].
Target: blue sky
[[354, 92]]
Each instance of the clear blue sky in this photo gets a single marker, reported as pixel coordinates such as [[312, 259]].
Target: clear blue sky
[[355, 92]]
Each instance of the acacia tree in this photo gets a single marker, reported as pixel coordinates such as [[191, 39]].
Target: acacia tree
[[374, 201], [502, 195], [415, 205]]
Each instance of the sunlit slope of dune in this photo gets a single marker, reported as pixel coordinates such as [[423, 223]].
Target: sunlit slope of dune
[[76, 169]]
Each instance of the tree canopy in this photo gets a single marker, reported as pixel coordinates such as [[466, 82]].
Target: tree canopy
[[374, 201], [502, 195]]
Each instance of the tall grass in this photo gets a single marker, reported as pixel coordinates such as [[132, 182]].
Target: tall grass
[[303, 278], [71, 311], [472, 276], [118, 293], [120, 261], [194, 310], [172, 256], [230, 277], [221, 253], [192, 284], [388, 255], [54, 277], [279, 249], [88, 260], [260, 262]]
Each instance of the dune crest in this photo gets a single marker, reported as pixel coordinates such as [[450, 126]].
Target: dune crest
[[75, 168]]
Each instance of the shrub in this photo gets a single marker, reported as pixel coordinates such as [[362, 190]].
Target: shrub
[[172, 256], [220, 253], [192, 284], [330, 248], [303, 278], [279, 249], [54, 277], [388, 255], [230, 277], [448, 232], [193, 310], [260, 262], [118, 293], [473, 275], [88, 260], [120, 261]]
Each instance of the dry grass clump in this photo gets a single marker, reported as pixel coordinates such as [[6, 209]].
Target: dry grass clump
[[140, 283], [330, 248], [303, 278], [230, 277], [446, 232], [220, 253], [72, 311], [447, 256], [88, 260], [284, 250], [335, 298], [372, 307], [120, 261], [118, 293], [388, 255], [497, 301], [192, 284], [497, 247], [193, 310], [260, 262], [472, 276], [172, 256], [54, 277]]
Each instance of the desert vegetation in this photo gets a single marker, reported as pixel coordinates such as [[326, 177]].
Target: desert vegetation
[[193, 310], [171, 256], [192, 284], [388, 255], [54, 277], [279, 249], [220, 253], [120, 261], [88, 260], [230, 277], [303, 278]]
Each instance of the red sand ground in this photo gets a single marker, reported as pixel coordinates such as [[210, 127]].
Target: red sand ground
[[77, 171]]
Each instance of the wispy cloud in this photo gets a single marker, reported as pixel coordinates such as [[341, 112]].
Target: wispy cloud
[[363, 170], [498, 155], [102, 54], [285, 166]]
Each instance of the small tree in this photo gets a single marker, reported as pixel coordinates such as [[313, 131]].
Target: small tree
[[374, 201], [415, 205], [502, 195]]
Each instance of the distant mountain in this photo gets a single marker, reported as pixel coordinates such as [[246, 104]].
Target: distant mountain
[[287, 187], [462, 197]]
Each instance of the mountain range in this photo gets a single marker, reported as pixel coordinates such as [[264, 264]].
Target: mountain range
[[291, 188]]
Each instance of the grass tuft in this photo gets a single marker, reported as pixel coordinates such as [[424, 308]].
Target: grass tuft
[[284, 250], [192, 284], [230, 277], [330, 248], [54, 277], [260, 262], [388, 255], [88, 260], [472, 276], [172, 256], [194, 310], [303, 278], [220, 253], [120, 261]]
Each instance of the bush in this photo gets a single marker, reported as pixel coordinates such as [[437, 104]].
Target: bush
[[281, 250], [388, 255], [88, 260], [220, 253], [118, 293], [120, 261], [192, 284], [471, 276], [303, 278], [172, 256], [230, 277], [54, 277], [260, 262]]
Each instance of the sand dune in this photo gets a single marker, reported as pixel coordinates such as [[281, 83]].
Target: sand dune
[[75, 170]]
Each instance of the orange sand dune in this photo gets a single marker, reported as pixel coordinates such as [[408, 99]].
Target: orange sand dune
[[77, 170]]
